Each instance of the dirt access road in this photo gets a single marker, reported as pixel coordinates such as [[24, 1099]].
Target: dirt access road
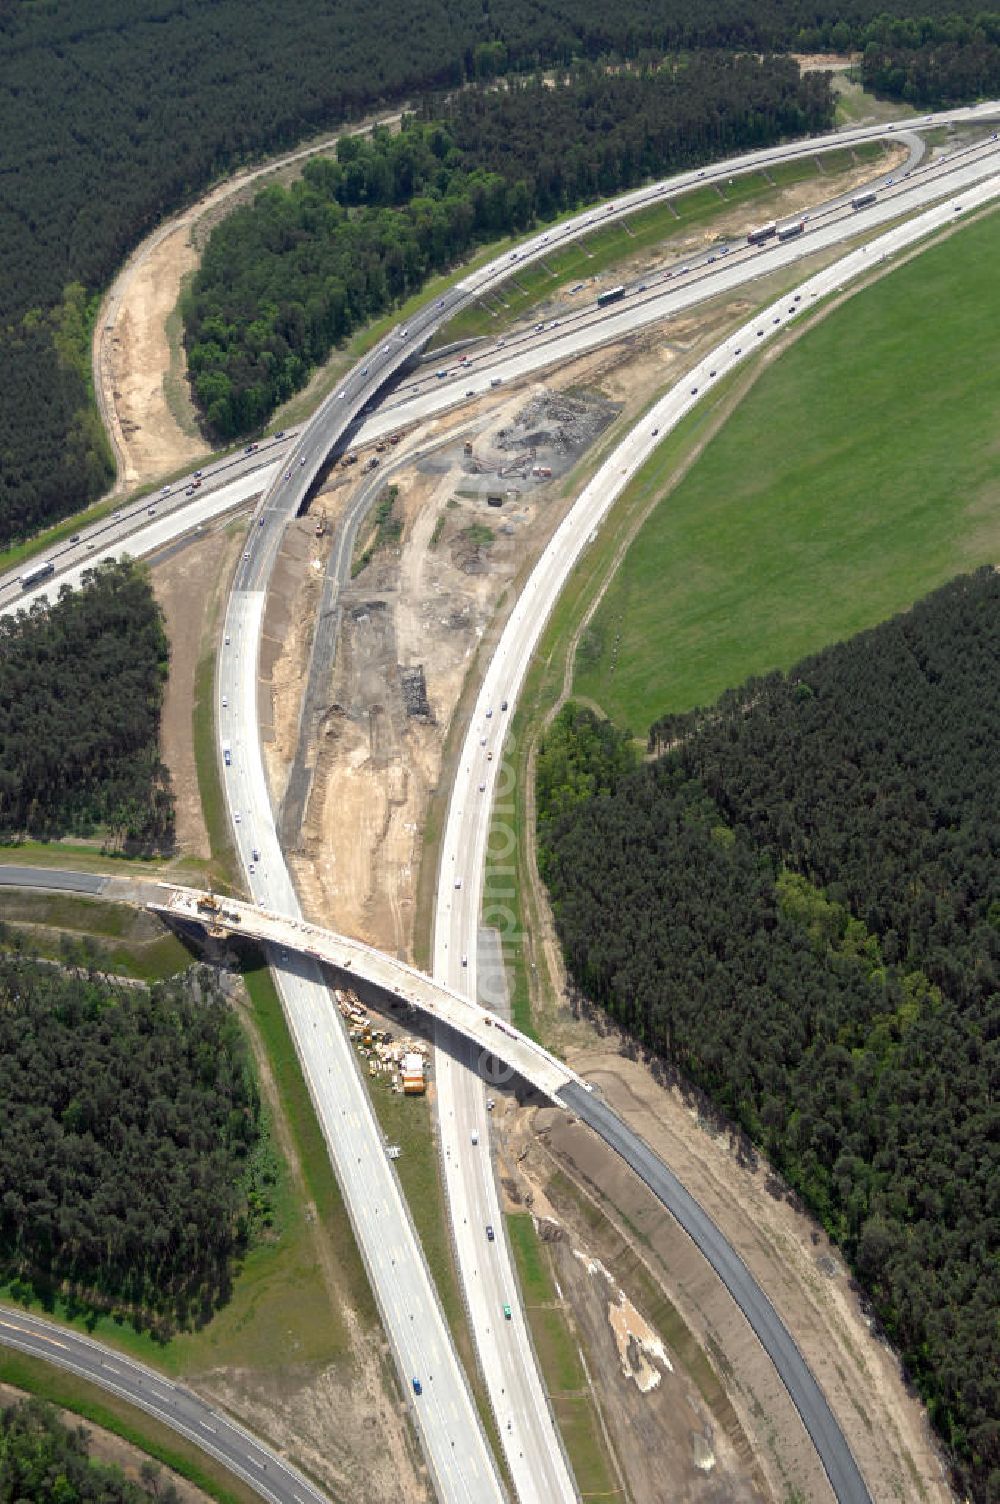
[[138, 361]]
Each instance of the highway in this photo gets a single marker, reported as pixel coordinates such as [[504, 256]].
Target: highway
[[464, 1472], [131, 530], [267, 1474], [444, 1414], [482, 764]]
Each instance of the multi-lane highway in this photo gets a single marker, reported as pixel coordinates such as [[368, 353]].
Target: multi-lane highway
[[466, 1471], [267, 1473], [481, 764], [713, 272], [444, 1414]]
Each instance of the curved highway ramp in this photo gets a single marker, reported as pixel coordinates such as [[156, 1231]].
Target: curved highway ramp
[[355, 960]]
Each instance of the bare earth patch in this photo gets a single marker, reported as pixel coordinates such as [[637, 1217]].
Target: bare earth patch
[[139, 376]]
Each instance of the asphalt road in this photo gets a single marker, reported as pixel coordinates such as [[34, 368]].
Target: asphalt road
[[455, 1475], [533, 1450], [55, 881], [484, 776], [267, 1473], [132, 531], [845, 1478], [453, 1441]]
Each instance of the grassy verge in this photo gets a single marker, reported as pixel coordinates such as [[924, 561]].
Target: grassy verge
[[210, 790], [310, 1146], [406, 1121], [562, 1367], [608, 245], [874, 478], [109, 936], [124, 1420]]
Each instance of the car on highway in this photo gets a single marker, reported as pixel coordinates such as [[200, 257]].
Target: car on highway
[[246, 556], [458, 882], [255, 854], [75, 538], [475, 1135], [490, 1234], [465, 960], [237, 817], [506, 1310], [694, 391], [482, 788], [150, 511], [198, 473], [470, 392], [341, 396], [165, 491], [418, 1388], [251, 869], [655, 432], [225, 702], [489, 757], [489, 712], [503, 704]]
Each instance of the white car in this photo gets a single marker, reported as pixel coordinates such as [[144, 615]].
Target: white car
[[225, 702], [236, 817]]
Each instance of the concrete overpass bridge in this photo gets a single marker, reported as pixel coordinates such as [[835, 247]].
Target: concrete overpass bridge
[[372, 970]]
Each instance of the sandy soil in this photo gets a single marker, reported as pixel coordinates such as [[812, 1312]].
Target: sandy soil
[[132, 357], [412, 608], [664, 1410], [823, 62], [135, 363], [105, 1446], [188, 584], [428, 606]]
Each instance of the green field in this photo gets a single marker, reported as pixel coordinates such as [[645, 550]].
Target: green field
[[861, 471], [559, 1358], [611, 244]]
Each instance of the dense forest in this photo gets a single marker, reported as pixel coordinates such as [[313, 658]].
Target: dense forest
[[81, 686], [129, 1120], [797, 905], [157, 97], [45, 1461], [284, 279]]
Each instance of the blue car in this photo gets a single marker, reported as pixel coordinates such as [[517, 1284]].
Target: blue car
[[418, 1388]]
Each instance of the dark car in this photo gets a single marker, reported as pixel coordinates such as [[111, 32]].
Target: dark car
[[489, 1231], [418, 1388]]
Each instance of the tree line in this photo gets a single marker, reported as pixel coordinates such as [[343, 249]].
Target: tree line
[[157, 99], [81, 688], [795, 904], [45, 1461], [130, 1121], [283, 280]]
